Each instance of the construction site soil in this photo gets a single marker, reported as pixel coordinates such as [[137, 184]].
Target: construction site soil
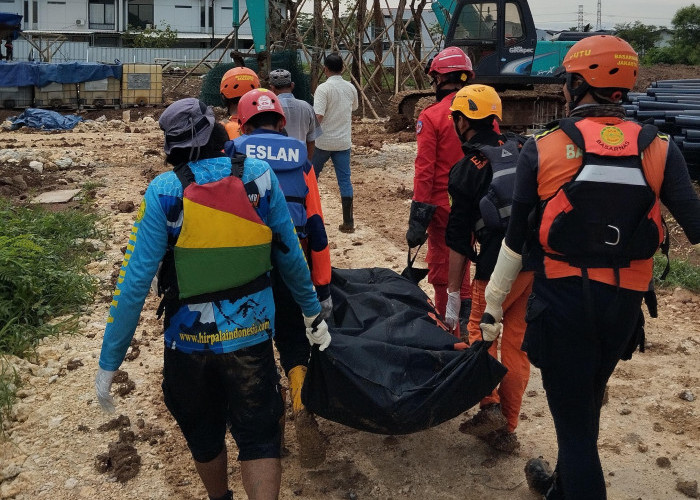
[[59, 445]]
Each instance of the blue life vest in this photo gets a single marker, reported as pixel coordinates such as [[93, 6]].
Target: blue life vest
[[287, 158]]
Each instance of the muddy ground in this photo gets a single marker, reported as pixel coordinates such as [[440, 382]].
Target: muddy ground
[[60, 445]]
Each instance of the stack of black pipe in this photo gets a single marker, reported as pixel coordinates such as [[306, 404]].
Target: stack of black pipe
[[673, 106]]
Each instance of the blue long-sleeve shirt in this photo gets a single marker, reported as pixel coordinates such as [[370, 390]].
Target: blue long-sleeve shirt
[[220, 326]]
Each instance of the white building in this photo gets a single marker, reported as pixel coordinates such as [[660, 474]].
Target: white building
[[102, 22], [428, 21]]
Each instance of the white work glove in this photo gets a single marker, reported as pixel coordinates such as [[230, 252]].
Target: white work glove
[[103, 383], [490, 331], [317, 331], [504, 274], [326, 308], [454, 303]]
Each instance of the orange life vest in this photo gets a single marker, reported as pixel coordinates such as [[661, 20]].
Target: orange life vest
[[601, 216]]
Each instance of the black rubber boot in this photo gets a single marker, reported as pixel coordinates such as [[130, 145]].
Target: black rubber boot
[[348, 225], [540, 477], [227, 496]]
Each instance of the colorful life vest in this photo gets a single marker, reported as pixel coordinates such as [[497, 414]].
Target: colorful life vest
[[287, 158], [497, 203], [223, 249], [607, 215]]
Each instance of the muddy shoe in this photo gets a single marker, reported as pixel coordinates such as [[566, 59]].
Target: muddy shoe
[[312, 444], [502, 440], [488, 419], [539, 475], [346, 228]]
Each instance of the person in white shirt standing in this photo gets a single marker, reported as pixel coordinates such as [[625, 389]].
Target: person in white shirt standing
[[334, 101]]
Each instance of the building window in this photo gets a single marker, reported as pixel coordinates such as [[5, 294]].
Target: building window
[[101, 14], [140, 13]]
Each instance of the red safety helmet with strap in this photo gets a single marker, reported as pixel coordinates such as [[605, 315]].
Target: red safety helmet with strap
[[258, 101], [238, 81], [451, 60]]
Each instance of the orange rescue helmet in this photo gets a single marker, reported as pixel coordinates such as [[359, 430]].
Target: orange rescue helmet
[[258, 101], [603, 61], [477, 102], [238, 81]]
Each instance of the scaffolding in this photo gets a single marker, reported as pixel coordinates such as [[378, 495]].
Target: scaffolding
[[367, 34]]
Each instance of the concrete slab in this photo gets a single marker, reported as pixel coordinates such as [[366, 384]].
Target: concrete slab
[[59, 196]]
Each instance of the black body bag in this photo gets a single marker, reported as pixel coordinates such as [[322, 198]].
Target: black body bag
[[391, 367]]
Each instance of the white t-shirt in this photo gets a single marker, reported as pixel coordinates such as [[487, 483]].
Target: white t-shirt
[[335, 100]]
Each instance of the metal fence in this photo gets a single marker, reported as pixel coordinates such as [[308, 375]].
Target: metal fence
[[82, 51]]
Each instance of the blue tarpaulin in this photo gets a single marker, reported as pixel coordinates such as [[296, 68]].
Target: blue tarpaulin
[[44, 119], [20, 74], [10, 25]]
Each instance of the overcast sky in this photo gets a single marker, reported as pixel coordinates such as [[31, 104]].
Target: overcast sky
[[563, 14]]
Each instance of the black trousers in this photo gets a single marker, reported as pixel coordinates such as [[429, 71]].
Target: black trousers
[[576, 338], [290, 331]]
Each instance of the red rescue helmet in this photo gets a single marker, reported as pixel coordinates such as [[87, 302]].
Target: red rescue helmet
[[451, 60], [603, 61], [238, 81], [258, 101]]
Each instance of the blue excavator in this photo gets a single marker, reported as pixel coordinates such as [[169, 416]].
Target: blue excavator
[[500, 38]]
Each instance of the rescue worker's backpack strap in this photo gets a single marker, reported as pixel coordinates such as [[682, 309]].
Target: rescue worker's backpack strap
[[568, 126], [646, 136], [184, 174], [237, 164]]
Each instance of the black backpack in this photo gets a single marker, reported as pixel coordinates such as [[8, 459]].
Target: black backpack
[[496, 205]]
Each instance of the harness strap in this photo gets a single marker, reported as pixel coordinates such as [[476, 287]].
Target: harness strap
[[186, 177], [237, 163], [296, 199], [568, 125], [231, 294], [646, 136], [184, 174], [502, 212]]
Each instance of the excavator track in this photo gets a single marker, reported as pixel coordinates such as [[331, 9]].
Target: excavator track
[[523, 110], [404, 109]]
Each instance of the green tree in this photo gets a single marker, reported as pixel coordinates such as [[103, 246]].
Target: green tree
[[686, 38], [150, 37], [640, 36]]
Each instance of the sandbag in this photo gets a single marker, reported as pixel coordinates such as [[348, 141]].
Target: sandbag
[[392, 367]]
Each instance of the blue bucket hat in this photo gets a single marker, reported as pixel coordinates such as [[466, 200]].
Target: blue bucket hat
[[187, 123]]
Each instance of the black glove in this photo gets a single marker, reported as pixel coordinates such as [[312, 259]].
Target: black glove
[[418, 221]]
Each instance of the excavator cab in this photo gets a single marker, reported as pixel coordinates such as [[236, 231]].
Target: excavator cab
[[499, 37]]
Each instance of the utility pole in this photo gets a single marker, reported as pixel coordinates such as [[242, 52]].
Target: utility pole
[[235, 22], [211, 21], [580, 18]]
